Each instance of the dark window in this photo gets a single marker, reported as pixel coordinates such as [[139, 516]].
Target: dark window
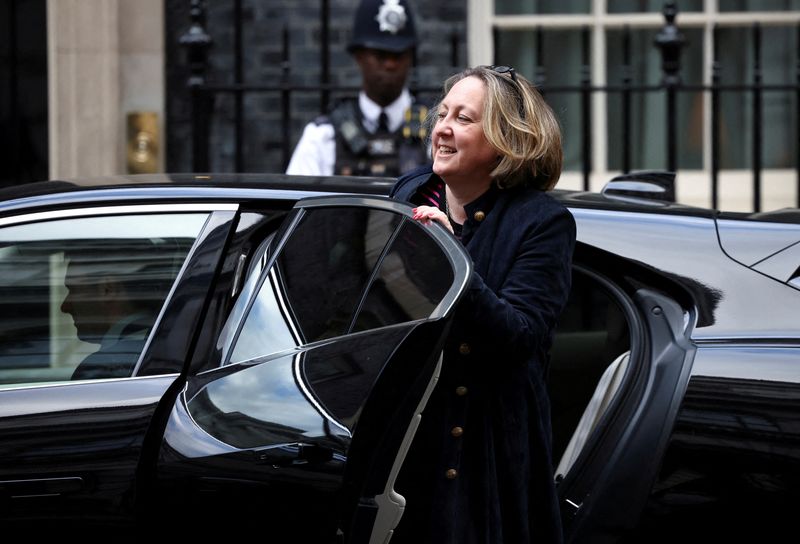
[[344, 270], [592, 333], [78, 297]]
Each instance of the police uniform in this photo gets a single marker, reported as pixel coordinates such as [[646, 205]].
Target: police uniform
[[350, 139]]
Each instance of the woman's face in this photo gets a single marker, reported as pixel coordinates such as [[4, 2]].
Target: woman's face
[[461, 153]]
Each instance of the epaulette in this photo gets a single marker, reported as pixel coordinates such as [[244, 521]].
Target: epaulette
[[414, 126]]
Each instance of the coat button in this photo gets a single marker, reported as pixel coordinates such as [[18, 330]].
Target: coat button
[[457, 431], [464, 349], [461, 390], [479, 216], [451, 474]]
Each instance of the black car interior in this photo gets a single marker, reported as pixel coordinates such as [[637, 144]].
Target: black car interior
[[592, 334]]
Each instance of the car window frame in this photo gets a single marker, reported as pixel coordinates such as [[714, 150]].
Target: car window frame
[[454, 253], [82, 210]]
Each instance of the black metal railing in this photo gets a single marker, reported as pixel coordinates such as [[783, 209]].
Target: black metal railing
[[669, 40]]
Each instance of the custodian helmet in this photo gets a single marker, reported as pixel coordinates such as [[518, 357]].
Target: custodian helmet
[[383, 24]]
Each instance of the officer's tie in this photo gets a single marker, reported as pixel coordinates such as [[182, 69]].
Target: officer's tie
[[383, 122]]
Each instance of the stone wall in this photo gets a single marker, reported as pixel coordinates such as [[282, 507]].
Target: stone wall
[[262, 24]]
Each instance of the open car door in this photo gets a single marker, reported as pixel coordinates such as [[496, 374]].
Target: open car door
[[328, 357]]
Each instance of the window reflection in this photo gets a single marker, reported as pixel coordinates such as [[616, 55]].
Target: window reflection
[[262, 405], [79, 296], [412, 279], [314, 395], [344, 270], [268, 328], [339, 271]]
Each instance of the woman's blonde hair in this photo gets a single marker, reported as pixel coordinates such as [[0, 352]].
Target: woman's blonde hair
[[519, 124]]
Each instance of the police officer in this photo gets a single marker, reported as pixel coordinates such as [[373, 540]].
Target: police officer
[[382, 133]]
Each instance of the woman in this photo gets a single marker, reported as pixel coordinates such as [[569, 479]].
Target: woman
[[480, 469]]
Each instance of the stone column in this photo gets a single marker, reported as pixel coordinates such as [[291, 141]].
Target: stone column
[[105, 58]]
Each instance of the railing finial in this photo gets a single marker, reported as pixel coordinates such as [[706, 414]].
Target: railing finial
[[197, 41], [670, 40]]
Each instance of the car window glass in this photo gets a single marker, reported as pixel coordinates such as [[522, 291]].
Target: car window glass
[[412, 279], [262, 405], [335, 275], [79, 296], [313, 289]]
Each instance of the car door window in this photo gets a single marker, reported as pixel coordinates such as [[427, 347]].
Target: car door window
[[79, 296], [342, 272], [325, 361]]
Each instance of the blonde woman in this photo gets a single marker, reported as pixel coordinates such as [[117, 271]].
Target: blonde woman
[[480, 469]]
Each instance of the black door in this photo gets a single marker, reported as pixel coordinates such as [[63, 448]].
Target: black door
[[71, 443], [328, 357]]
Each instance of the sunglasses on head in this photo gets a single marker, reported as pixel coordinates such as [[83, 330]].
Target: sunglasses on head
[[504, 70]]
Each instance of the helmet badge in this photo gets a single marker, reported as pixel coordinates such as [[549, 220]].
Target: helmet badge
[[391, 16]]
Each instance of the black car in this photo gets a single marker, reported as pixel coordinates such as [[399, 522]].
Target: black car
[[275, 339]]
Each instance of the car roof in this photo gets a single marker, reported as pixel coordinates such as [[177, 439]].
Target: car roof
[[284, 186], [67, 192], [347, 184]]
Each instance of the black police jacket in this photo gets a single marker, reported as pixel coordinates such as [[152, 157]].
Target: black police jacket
[[383, 153]]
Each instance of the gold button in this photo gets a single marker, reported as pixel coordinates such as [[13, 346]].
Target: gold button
[[461, 390], [451, 474], [457, 431], [464, 349], [479, 216]]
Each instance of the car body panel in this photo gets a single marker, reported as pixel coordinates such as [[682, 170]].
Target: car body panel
[[783, 266], [750, 242], [89, 434], [301, 419], [725, 310], [699, 436], [730, 470], [95, 430]]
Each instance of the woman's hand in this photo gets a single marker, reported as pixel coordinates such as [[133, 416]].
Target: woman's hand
[[426, 214]]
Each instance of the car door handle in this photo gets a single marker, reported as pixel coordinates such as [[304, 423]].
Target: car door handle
[[287, 455], [40, 487]]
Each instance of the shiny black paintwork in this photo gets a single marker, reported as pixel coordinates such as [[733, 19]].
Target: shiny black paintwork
[[745, 336], [732, 469], [90, 434], [703, 441]]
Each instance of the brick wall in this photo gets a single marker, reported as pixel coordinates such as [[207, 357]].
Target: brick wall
[[262, 24]]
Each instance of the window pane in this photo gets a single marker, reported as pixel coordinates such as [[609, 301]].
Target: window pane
[[78, 297], [328, 280], [759, 5], [515, 7], [318, 281], [562, 66], [640, 6], [411, 281], [261, 405], [736, 61], [647, 113]]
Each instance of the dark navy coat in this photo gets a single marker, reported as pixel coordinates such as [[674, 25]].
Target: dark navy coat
[[480, 469]]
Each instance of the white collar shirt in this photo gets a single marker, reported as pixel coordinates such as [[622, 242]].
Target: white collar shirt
[[394, 111], [315, 153]]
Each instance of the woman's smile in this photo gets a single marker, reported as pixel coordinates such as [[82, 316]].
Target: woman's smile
[[463, 155]]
